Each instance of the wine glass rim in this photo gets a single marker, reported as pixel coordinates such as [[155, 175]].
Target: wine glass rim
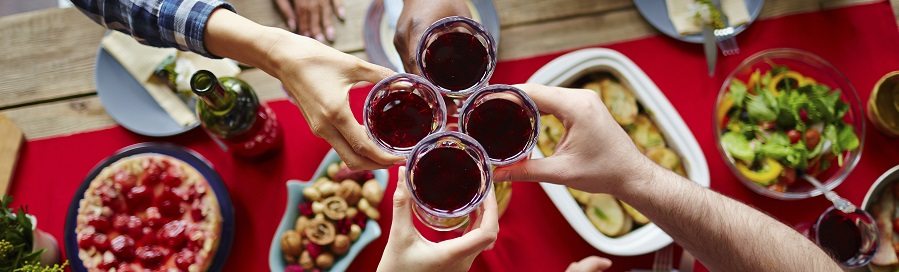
[[469, 105], [483, 164], [479, 31], [384, 84]]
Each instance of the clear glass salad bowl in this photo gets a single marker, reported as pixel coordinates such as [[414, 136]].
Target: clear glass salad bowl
[[811, 67]]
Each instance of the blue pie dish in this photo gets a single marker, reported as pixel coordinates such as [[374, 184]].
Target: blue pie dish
[[188, 156]]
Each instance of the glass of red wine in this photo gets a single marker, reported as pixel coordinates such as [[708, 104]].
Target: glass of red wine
[[401, 110], [457, 55], [448, 176], [849, 238], [504, 120]]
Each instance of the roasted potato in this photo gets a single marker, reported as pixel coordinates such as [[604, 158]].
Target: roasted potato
[[620, 101], [645, 134], [551, 133]]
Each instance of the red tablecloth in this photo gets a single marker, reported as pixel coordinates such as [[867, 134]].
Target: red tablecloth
[[861, 41]]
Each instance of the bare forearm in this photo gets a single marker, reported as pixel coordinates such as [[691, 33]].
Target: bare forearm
[[233, 36], [724, 234]]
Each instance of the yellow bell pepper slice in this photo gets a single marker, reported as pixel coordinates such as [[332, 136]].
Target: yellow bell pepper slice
[[765, 176]]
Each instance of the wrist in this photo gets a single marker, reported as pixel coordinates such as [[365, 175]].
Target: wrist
[[638, 179]]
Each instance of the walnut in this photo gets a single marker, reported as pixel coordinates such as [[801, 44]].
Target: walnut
[[372, 192], [341, 244], [291, 243], [350, 191], [324, 260], [334, 208], [320, 232]]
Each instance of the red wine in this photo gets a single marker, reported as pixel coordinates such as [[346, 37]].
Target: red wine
[[455, 61], [501, 126], [446, 179], [839, 235], [401, 119]]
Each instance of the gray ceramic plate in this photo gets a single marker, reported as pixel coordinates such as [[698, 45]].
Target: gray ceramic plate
[[128, 103], [378, 33], [656, 12]]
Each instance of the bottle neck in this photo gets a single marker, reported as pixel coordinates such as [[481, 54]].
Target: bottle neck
[[206, 86]]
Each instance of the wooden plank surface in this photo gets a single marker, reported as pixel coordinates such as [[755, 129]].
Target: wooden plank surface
[[11, 139], [56, 96]]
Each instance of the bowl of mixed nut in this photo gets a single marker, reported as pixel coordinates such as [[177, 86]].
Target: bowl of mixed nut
[[328, 219]]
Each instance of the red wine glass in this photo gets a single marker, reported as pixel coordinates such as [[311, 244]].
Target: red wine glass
[[457, 55], [401, 110], [849, 238], [448, 176], [504, 120]]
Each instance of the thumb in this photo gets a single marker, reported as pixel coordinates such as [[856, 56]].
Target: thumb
[[546, 169], [402, 214], [370, 72]]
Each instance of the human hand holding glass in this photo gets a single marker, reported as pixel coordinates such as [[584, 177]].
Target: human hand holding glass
[[408, 250]]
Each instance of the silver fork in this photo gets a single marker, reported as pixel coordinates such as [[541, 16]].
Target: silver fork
[[726, 36], [662, 261]]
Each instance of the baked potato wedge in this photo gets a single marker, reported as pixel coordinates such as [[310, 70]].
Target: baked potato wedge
[[620, 101], [645, 134]]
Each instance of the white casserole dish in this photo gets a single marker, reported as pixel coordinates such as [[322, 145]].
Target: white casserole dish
[[565, 70]]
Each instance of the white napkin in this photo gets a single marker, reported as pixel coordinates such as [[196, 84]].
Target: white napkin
[[140, 61], [682, 14]]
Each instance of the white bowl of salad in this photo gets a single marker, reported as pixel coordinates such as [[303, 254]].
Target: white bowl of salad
[[785, 113]]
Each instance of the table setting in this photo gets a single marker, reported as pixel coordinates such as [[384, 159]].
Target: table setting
[[793, 115]]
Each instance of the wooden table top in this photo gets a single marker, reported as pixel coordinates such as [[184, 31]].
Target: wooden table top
[[47, 72]]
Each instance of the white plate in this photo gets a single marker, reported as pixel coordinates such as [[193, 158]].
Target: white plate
[[568, 68]]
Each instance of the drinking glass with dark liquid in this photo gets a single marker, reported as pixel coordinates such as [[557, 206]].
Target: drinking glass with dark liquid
[[849, 238], [401, 110], [504, 120], [229, 110], [457, 55], [448, 176]]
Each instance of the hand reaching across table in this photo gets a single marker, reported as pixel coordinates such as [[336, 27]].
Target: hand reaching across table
[[416, 17], [598, 156], [317, 76], [311, 18], [408, 250]]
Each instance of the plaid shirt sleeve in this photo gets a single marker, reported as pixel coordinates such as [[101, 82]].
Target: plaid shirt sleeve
[[161, 23]]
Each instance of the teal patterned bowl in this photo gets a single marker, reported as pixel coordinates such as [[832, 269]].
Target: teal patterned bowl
[[371, 231]]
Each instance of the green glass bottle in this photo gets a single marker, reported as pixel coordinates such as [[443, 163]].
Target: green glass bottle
[[229, 110]]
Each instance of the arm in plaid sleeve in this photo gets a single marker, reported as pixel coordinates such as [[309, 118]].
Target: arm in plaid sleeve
[[161, 23]]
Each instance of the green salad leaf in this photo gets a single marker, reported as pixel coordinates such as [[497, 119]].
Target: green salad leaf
[[738, 146], [737, 92], [824, 105], [842, 138], [762, 107], [777, 146], [790, 104]]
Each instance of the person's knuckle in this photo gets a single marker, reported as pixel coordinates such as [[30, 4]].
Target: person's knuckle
[[317, 128]]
